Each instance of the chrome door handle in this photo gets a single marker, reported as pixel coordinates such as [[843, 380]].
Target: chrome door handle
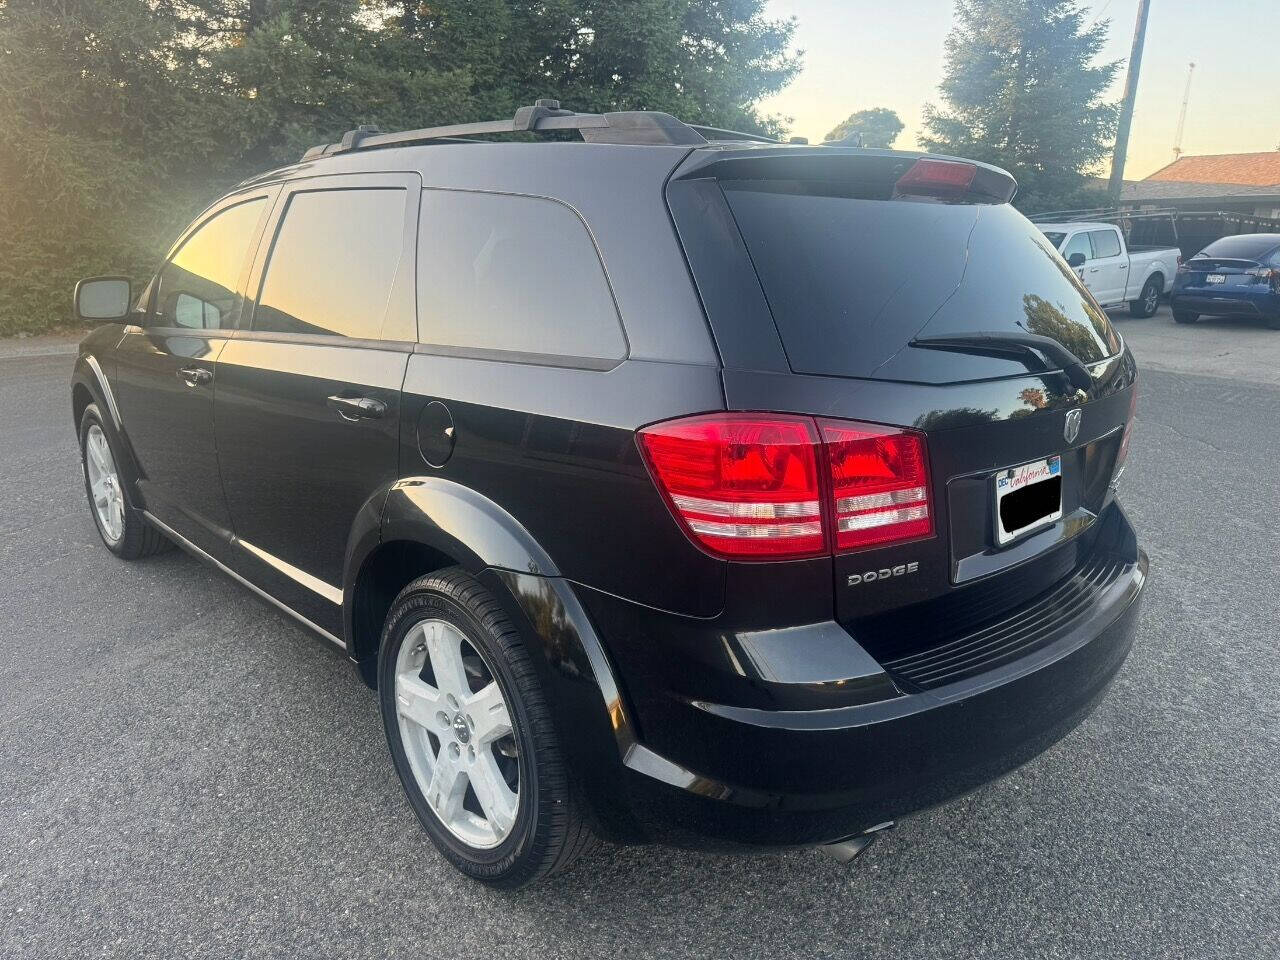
[[356, 408], [195, 376]]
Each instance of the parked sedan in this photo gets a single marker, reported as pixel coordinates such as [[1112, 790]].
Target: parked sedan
[[1232, 277]]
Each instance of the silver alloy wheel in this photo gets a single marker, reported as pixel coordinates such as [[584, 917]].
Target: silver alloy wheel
[[457, 734], [104, 484], [1152, 301]]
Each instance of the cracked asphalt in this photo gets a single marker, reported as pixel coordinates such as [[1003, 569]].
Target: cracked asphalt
[[186, 772]]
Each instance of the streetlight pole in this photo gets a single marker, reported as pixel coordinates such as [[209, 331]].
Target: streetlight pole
[[1126, 105]]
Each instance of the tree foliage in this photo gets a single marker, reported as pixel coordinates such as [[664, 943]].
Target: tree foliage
[[1022, 89], [879, 127], [119, 119]]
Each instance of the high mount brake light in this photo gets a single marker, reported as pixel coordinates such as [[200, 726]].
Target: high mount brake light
[[933, 177], [773, 487]]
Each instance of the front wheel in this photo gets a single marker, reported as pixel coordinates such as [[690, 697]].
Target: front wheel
[[471, 735], [122, 528], [1184, 316], [1148, 300]]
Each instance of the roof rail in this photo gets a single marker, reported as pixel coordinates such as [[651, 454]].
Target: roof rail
[[630, 126]]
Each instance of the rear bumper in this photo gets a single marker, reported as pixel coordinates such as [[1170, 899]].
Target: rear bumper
[[891, 758], [824, 761], [1242, 303]]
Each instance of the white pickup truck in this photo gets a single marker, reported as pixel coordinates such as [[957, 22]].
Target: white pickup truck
[[1113, 272]]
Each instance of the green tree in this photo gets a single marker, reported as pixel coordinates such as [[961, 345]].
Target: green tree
[[95, 113], [878, 126], [1022, 89], [119, 119], [706, 61]]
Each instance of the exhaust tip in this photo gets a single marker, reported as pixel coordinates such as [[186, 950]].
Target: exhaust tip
[[846, 851]]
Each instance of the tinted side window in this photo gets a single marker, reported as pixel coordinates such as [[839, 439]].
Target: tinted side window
[[521, 274], [198, 286], [1078, 244], [333, 263], [1106, 243]]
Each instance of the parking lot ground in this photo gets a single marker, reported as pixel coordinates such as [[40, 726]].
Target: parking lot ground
[[186, 772]]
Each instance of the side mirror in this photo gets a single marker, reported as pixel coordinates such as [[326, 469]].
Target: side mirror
[[1075, 260], [103, 298]]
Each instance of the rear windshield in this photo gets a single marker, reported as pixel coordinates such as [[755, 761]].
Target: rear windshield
[[1241, 248], [850, 280]]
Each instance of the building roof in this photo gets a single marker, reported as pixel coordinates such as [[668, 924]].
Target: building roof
[[1244, 169], [1148, 191]]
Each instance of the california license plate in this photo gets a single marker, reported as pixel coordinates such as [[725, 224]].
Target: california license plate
[[1215, 278], [1027, 498]]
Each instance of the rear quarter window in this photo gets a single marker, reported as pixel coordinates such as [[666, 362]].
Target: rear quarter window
[[516, 277]]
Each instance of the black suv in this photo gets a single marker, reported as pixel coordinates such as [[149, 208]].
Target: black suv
[[669, 486]]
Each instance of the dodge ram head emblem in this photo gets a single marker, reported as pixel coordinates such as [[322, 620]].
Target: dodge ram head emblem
[[1071, 429]]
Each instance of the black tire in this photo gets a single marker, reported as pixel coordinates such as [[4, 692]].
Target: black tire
[[138, 538], [550, 830], [1183, 316], [1273, 323], [1148, 301]]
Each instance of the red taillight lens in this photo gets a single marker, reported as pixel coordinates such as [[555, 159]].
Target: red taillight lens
[[769, 486], [933, 176], [1122, 455], [880, 482], [743, 486]]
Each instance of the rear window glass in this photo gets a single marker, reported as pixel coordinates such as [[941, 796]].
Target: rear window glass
[[851, 281], [513, 274], [1106, 243], [1241, 248]]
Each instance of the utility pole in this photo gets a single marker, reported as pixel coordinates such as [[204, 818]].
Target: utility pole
[[1126, 105]]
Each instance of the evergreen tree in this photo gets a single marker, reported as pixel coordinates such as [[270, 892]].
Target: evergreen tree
[[879, 127], [1022, 89]]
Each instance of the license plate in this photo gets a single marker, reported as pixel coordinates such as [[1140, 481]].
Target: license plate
[[1027, 498], [1215, 278]]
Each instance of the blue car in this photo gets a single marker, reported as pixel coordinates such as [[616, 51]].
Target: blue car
[[1232, 277]]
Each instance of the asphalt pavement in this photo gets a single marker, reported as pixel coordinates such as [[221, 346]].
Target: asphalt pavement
[[186, 772]]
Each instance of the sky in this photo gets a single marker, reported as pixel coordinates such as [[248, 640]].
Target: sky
[[872, 53]]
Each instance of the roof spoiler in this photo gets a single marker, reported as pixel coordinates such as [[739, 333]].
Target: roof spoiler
[[890, 173]]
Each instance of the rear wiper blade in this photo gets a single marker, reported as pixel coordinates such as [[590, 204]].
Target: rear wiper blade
[[1003, 342]]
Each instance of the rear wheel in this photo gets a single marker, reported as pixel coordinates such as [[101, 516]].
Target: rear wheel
[[122, 528], [1183, 316], [1274, 322], [471, 735], [1149, 299]]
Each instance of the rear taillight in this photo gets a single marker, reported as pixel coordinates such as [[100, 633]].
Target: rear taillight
[[1123, 455], [880, 483], [742, 485], [773, 487]]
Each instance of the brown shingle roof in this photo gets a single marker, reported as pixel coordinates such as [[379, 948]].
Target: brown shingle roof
[[1248, 169]]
